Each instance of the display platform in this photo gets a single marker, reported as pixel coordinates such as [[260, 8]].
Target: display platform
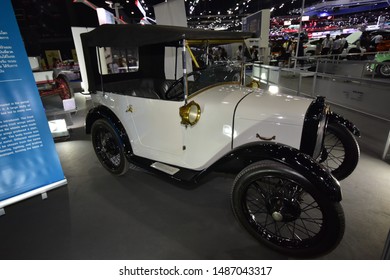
[[62, 114]]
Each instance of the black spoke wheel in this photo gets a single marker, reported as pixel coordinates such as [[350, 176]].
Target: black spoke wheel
[[341, 151], [286, 212], [108, 147]]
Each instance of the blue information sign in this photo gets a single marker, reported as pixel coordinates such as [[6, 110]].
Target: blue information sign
[[29, 163]]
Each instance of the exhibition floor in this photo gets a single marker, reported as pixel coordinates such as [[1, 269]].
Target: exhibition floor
[[140, 216]]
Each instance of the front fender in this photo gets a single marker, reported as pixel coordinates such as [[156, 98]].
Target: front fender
[[302, 163], [102, 112], [336, 118]]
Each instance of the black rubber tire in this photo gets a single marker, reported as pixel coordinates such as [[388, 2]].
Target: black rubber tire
[[383, 70], [254, 188], [342, 151], [354, 54], [108, 147]]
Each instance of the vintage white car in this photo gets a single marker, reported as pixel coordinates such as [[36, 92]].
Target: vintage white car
[[159, 114]]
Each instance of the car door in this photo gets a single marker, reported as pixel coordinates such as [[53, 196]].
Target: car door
[[154, 129]]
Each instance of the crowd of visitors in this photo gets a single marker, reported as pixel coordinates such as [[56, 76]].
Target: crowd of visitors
[[369, 41]]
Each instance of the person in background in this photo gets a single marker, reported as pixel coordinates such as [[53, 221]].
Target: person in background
[[319, 46], [239, 53], [122, 65], [376, 40], [343, 43], [289, 51], [56, 62], [327, 45], [336, 45], [364, 41], [301, 53], [255, 54], [222, 54]]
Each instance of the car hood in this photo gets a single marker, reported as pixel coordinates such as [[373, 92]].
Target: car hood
[[246, 113], [353, 37], [260, 105]]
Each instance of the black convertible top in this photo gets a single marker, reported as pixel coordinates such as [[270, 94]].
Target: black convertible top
[[114, 35], [151, 41]]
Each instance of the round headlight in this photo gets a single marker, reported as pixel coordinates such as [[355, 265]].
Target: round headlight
[[190, 113]]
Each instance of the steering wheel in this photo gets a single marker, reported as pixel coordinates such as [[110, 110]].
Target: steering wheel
[[175, 90]]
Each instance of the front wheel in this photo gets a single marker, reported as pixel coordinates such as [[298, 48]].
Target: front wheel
[[341, 151], [285, 211], [108, 147]]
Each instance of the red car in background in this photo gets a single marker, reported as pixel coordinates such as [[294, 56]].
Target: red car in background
[[50, 82]]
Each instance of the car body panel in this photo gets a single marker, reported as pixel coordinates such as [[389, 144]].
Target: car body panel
[[152, 125], [381, 60], [310, 47], [155, 130], [382, 57], [268, 116], [383, 46]]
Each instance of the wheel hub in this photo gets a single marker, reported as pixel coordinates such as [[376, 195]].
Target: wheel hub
[[277, 216], [283, 209], [108, 145], [324, 155], [385, 69]]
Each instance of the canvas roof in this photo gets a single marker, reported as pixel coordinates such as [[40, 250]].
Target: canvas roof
[[113, 35]]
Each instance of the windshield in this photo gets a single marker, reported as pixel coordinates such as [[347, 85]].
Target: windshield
[[221, 72], [212, 75]]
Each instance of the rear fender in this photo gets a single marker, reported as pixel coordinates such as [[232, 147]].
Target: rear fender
[[102, 112], [336, 118], [300, 162]]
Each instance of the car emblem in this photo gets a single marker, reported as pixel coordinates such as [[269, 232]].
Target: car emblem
[[129, 109]]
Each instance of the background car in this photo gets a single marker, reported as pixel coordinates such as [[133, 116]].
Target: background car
[[50, 82], [382, 67], [348, 52], [310, 47], [353, 47], [383, 46]]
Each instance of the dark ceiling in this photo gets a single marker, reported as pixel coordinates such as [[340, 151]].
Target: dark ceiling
[[45, 24], [216, 7]]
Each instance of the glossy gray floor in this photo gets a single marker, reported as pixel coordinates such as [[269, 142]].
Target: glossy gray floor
[[140, 216]]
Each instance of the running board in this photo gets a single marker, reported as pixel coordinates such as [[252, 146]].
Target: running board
[[165, 168]]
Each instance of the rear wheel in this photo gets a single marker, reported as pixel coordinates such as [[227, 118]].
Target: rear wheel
[[341, 151], [63, 85], [285, 211], [384, 70], [354, 54], [108, 147]]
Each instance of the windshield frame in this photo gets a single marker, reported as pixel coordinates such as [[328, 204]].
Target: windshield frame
[[233, 66]]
